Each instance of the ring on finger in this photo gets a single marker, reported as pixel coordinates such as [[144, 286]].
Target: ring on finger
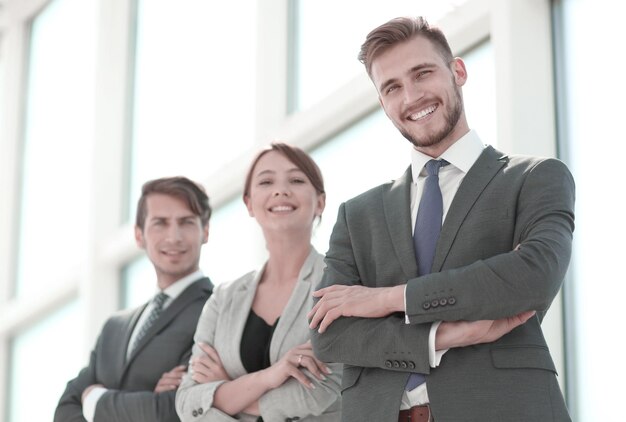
[[299, 359]]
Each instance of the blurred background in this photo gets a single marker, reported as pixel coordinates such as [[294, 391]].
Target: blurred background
[[98, 96]]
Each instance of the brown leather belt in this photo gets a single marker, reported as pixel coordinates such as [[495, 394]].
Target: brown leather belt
[[415, 414]]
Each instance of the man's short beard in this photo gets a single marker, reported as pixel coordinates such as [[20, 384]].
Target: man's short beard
[[453, 114]]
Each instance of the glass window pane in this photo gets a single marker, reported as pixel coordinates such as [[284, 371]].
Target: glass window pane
[[195, 88], [2, 99], [373, 151], [479, 92], [58, 143], [315, 49], [594, 113], [367, 154], [235, 245], [138, 283], [41, 365]]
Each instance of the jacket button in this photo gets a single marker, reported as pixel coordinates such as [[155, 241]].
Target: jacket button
[[443, 301], [200, 411], [388, 364], [426, 305], [404, 365], [451, 301], [411, 365], [396, 364], [434, 303], [194, 413]]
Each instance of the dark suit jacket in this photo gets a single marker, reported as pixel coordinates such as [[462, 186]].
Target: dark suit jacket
[[503, 201], [131, 382]]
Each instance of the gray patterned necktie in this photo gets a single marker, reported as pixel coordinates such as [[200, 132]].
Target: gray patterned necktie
[[426, 234], [157, 308]]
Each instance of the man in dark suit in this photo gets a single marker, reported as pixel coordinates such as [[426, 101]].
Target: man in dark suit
[[141, 354], [442, 321]]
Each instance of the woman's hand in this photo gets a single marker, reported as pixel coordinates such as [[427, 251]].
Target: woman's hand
[[171, 380], [292, 364], [207, 367]]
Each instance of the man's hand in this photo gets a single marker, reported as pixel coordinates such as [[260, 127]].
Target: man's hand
[[464, 333], [354, 301], [87, 390], [208, 367], [171, 380]]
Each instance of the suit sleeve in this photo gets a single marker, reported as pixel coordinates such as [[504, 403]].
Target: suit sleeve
[[70, 408], [525, 278], [379, 341], [135, 406]]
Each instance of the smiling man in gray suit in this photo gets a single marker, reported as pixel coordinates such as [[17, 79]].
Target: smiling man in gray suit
[[141, 354], [442, 321]]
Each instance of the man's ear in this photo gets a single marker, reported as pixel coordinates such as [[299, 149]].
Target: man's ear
[[205, 233], [459, 71], [139, 237]]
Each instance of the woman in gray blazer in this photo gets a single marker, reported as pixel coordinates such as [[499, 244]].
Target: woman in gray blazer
[[252, 359]]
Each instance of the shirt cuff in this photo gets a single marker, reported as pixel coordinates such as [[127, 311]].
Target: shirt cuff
[[434, 356], [90, 402], [406, 317]]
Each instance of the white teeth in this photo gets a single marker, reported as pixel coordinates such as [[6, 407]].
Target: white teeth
[[282, 208], [422, 113]]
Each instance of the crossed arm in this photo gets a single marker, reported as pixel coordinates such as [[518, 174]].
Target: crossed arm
[[498, 293], [119, 405], [297, 384]]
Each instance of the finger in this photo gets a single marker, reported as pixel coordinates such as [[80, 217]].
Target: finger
[[301, 378], [525, 316], [201, 369], [206, 348], [313, 310], [311, 364], [330, 316], [212, 353]]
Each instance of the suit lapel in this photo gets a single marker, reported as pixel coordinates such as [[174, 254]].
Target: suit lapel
[[241, 305], [476, 180], [294, 306], [189, 295], [397, 208], [120, 362]]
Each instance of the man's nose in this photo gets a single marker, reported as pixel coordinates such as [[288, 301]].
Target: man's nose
[[413, 92]]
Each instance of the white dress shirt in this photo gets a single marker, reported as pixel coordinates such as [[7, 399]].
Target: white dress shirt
[[172, 291], [461, 155]]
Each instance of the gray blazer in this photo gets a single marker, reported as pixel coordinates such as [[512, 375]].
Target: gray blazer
[[221, 325], [503, 201], [131, 382]]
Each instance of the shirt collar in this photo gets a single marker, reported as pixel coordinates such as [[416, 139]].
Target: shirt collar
[[462, 154], [177, 287]]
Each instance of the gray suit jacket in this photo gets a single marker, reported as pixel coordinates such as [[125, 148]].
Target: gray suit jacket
[[503, 201], [221, 325], [131, 382]]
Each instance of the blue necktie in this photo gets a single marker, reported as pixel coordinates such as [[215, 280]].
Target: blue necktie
[[426, 234]]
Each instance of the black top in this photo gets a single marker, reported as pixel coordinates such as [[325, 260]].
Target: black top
[[255, 343]]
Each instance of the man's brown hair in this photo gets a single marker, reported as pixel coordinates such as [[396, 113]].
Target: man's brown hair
[[400, 30], [179, 187]]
